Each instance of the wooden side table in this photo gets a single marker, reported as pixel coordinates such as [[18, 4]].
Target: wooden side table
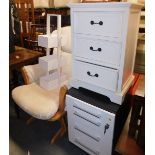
[[19, 58], [22, 57]]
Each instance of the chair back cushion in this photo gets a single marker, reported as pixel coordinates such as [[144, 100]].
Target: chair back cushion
[[34, 72], [66, 38]]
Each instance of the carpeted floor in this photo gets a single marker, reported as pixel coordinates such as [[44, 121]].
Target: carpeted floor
[[35, 137]]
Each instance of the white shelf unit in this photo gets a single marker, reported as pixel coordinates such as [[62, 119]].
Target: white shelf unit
[[52, 64]]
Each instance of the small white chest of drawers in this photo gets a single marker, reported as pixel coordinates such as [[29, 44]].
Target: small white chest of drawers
[[104, 39], [94, 123]]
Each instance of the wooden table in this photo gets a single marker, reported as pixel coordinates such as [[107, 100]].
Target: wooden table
[[22, 57]]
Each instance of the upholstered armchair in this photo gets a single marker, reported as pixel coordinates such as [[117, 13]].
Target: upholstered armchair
[[40, 103]]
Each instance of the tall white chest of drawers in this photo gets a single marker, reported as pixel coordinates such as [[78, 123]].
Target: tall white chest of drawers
[[104, 39]]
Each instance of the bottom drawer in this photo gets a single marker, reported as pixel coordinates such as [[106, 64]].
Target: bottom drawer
[[96, 75], [85, 142]]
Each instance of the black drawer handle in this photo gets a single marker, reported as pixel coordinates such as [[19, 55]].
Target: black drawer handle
[[92, 49], [92, 22], [95, 75]]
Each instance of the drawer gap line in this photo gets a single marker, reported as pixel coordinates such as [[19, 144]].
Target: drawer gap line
[[97, 124], [86, 111], [96, 139]]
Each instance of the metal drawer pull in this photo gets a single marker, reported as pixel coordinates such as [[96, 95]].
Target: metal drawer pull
[[93, 114], [86, 133], [99, 49], [87, 119], [95, 152], [92, 22], [95, 75]]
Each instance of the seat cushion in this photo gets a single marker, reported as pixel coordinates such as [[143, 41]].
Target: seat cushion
[[34, 100]]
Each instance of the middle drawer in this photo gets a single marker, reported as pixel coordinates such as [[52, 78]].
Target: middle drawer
[[104, 52], [96, 75]]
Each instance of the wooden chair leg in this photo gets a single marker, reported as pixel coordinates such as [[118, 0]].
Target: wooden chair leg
[[30, 120], [64, 128], [60, 132]]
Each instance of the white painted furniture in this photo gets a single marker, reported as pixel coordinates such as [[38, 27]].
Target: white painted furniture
[[104, 39], [52, 63], [86, 127], [94, 123]]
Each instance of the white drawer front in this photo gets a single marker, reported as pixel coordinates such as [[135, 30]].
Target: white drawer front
[[101, 51], [95, 75], [86, 116], [88, 119], [86, 142], [88, 124], [88, 128], [107, 24]]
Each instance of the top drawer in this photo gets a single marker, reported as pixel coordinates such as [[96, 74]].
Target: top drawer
[[106, 24]]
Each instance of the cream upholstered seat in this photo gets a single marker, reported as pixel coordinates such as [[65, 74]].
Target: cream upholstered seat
[[37, 102], [41, 103]]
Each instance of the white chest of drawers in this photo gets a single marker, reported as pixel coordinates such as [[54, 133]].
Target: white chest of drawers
[[104, 39], [94, 123]]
